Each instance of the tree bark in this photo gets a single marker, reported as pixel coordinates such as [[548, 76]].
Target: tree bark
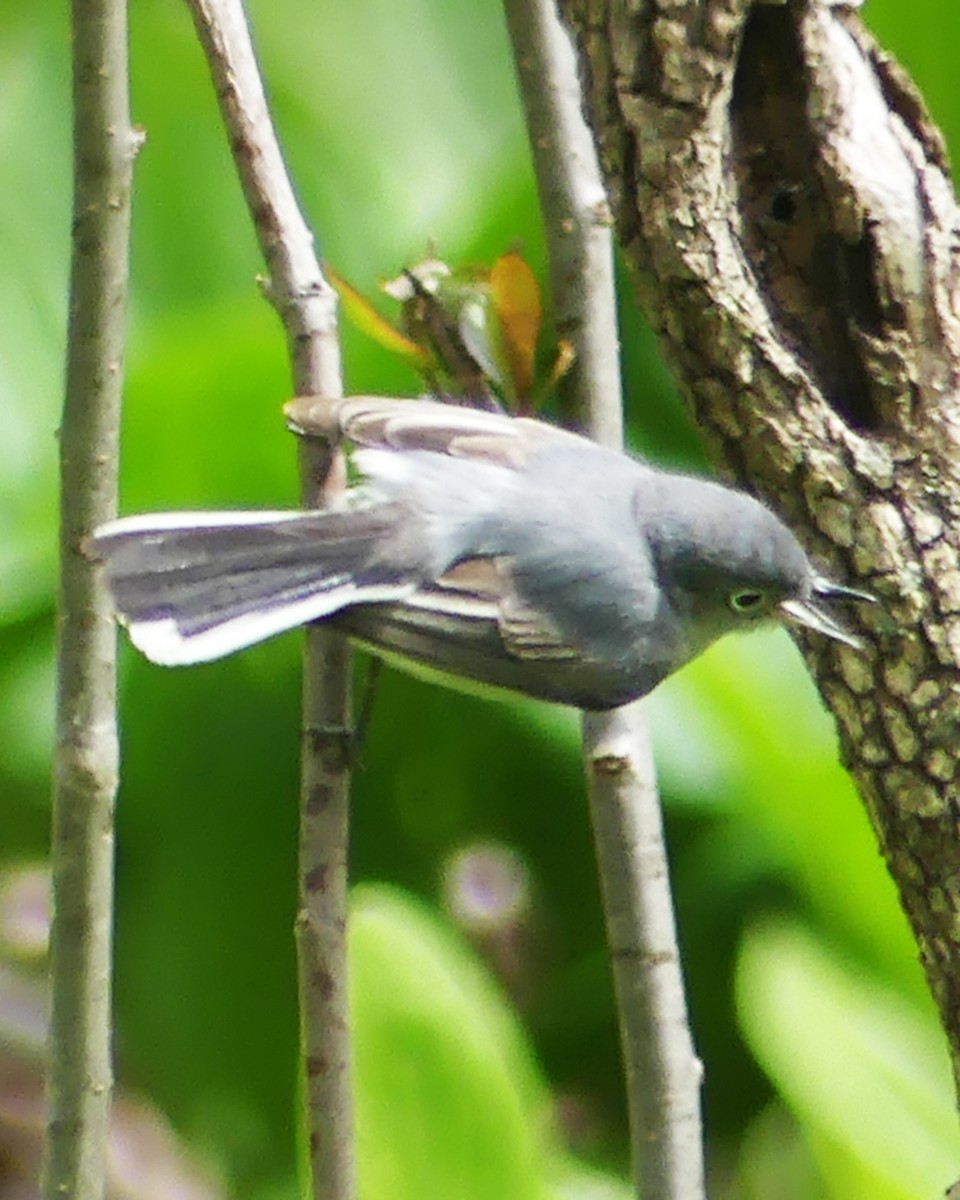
[[784, 201]]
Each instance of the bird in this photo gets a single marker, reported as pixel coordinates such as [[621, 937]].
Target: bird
[[481, 547]]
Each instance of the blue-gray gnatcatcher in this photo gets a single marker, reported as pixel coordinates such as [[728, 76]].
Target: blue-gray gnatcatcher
[[497, 549]]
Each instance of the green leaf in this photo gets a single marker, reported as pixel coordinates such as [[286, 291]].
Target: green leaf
[[366, 318], [449, 1102], [865, 1073]]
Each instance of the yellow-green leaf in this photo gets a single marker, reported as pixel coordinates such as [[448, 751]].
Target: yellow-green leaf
[[365, 317]]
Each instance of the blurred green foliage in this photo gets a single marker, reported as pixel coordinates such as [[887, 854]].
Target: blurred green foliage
[[825, 1075]]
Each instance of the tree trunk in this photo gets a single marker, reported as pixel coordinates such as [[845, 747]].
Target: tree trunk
[[784, 202]]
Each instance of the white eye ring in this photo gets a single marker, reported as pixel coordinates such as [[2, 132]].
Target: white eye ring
[[747, 601]]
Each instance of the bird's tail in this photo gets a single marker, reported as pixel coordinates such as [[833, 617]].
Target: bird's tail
[[192, 587]]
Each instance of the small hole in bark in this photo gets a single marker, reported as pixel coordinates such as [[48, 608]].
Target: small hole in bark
[[783, 206]]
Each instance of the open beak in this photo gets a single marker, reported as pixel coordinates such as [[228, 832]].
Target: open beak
[[809, 613], [836, 591]]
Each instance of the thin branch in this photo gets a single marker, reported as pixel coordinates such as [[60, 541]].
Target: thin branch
[[297, 288], [85, 770], [662, 1071], [306, 305], [575, 213]]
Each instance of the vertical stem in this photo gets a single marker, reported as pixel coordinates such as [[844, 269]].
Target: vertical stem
[[306, 305], [85, 764], [321, 929], [662, 1073], [576, 215], [321, 925]]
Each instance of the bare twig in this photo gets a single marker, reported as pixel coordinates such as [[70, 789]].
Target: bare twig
[[85, 772], [306, 305], [662, 1071], [575, 213]]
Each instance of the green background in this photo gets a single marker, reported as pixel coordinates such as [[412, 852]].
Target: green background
[[489, 1071]]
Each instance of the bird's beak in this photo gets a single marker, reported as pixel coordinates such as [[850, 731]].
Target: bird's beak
[[836, 591], [807, 612]]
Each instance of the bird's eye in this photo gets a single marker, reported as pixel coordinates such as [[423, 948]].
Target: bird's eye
[[747, 601]]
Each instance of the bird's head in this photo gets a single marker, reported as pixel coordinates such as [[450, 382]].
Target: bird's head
[[726, 562]]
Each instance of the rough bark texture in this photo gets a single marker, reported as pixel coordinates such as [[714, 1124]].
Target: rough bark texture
[[784, 201]]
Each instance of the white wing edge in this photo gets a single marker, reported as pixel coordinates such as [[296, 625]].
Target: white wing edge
[[163, 642]]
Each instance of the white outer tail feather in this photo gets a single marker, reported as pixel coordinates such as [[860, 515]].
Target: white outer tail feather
[[163, 643]]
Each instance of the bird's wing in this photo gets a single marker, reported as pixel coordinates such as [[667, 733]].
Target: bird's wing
[[390, 423], [526, 632], [470, 626]]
